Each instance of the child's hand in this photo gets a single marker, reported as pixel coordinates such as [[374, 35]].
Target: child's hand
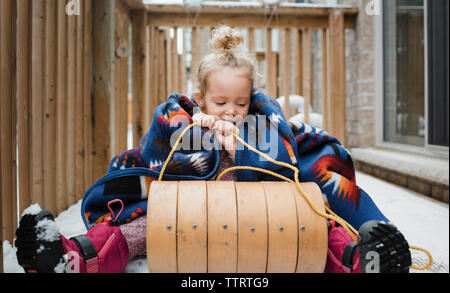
[[223, 130], [204, 120]]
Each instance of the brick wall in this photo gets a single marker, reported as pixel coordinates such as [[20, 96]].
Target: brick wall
[[360, 76]]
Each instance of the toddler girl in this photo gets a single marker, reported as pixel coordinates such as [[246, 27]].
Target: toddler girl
[[225, 96]]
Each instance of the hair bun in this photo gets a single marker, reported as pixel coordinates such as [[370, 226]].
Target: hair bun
[[226, 38]]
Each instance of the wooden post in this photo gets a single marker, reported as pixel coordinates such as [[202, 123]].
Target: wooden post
[[174, 62], [37, 152], [139, 39], [325, 110], [7, 118], [307, 72], [285, 60], [79, 137], [71, 109], [87, 109], [61, 109], [252, 51], [195, 55], [162, 66], [299, 62], [103, 45], [1, 209], [121, 40], [182, 64], [146, 98], [270, 66], [153, 74], [169, 68], [251, 40], [23, 101], [337, 74], [49, 146]]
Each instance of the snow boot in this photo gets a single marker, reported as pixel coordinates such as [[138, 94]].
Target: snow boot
[[42, 249], [342, 255], [383, 249]]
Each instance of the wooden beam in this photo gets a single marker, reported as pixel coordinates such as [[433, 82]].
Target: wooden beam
[[307, 72], [195, 46], [239, 20], [251, 40], [251, 10], [169, 68], [337, 75], [139, 48], [271, 75], [103, 48], [121, 39], [147, 104], [122, 7], [134, 4], [37, 155], [87, 101], [285, 62], [79, 130], [325, 107], [153, 75], [299, 61], [61, 109], [174, 62], [7, 118], [162, 66], [50, 108], [23, 101], [71, 109], [182, 64], [1, 209]]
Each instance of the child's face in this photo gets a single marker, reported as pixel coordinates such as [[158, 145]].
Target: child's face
[[227, 95]]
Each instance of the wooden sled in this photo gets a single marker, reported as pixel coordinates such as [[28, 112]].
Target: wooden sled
[[235, 227]]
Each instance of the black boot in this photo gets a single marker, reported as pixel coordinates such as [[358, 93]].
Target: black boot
[[383, 249], [39, 250]]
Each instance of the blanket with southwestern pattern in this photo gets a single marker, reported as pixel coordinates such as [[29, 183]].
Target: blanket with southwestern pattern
[[319, 156]]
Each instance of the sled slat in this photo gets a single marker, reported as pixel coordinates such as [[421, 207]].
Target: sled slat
[[283, 232], [222, 227], [252, 227], [313, 231], [192, 249], [162, 227]]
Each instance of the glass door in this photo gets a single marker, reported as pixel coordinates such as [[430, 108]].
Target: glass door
[[404, 80]]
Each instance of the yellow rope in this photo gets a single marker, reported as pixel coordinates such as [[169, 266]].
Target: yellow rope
[[331, 216], [173, 150], [339, 220], [430, 258], [254, 169]]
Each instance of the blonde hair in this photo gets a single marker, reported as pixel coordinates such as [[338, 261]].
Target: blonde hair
[[227, 49]]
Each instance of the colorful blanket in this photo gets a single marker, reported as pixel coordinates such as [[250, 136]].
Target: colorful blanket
[[318, 155]]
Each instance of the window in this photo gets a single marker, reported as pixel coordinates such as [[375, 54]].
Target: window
[[404, 78]]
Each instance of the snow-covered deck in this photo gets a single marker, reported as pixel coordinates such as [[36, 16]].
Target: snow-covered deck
[[423, 221]]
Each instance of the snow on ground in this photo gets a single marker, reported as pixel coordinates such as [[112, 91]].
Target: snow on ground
[[423, 221]]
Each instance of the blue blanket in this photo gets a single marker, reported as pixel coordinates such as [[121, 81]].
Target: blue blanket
[[318, 155]]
